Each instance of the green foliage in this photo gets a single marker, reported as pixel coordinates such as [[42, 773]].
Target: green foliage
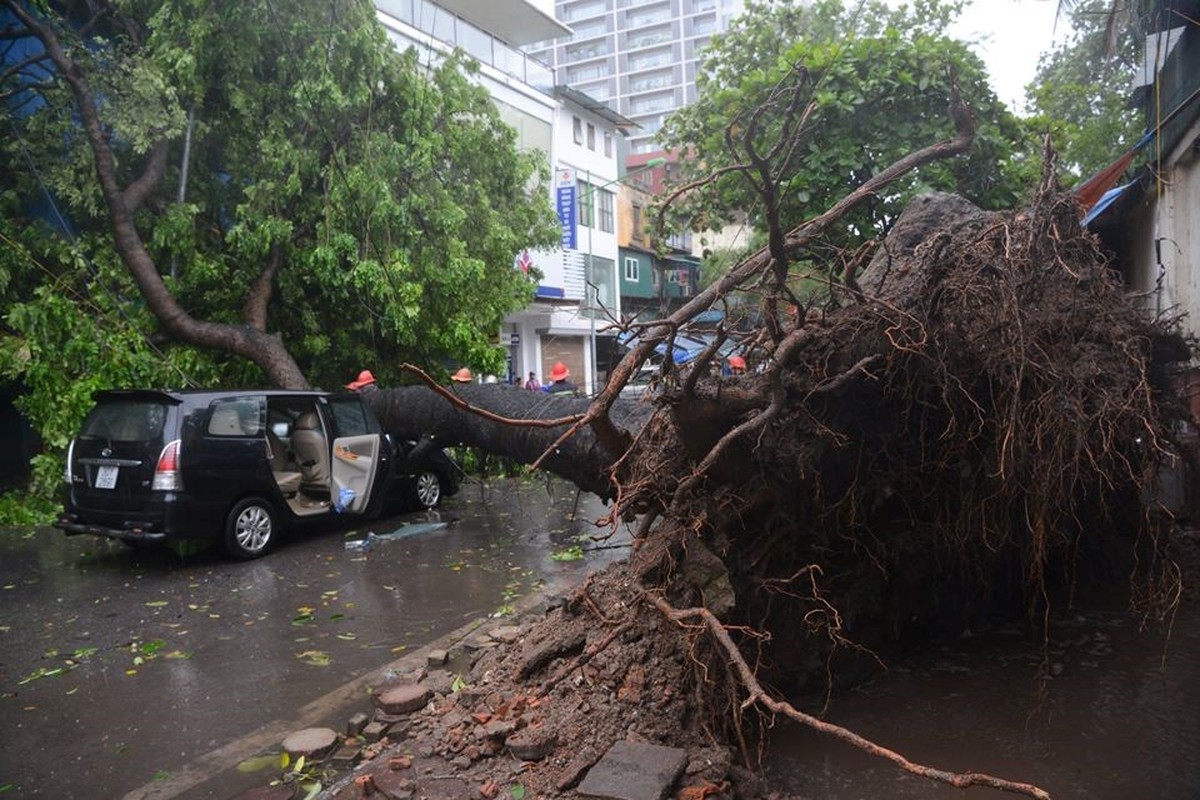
[[20, 508], [572, 553], [1081, 92], [875, 84]]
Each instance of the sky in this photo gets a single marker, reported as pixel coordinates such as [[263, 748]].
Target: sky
[[1009, 35]]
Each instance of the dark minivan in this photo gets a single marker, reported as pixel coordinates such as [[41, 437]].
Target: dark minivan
[[239, 466]]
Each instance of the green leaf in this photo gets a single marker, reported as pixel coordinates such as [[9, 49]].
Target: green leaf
[[316, 658], [572, 553]]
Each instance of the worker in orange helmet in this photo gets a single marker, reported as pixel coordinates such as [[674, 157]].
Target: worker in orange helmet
[[737, 365], [559, 381], [364, 383]]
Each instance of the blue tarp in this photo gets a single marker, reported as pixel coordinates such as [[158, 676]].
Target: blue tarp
[[685, 349], [1106, 200]]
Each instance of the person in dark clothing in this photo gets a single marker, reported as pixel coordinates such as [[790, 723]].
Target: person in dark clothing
[[559, 383]]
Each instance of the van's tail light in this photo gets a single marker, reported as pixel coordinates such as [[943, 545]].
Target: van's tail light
[[166, 472]]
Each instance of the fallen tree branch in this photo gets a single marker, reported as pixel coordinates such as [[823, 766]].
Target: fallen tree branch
[[759, 696], [458, 402], [794, 240]]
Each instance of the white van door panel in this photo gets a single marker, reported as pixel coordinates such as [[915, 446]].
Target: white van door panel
[[355, 460]]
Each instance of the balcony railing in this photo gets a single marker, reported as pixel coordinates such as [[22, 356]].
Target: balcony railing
[[454, 31]]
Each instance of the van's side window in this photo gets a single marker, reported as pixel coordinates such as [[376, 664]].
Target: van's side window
[[241, 416], [351, 418]]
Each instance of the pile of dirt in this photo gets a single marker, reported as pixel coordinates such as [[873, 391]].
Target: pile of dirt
[[538, 711]]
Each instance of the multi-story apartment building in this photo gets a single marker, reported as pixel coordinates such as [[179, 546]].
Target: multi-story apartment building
[[582, 142], [639, 56]]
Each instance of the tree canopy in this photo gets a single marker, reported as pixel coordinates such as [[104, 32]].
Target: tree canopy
[[247, 193], [848, 88], [1081, 92]]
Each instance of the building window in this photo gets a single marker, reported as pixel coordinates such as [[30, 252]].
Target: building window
[[633, 270], [702, 26], [583, 10], [606, 212], [638, 233], [598, 91], [648, 104], [586, 50], [650, 126], [640, 17], [591, 72], [646, 83], [585, 192], [648, 38], [589, 30], [649, 59], [578, 130], [591, 145], [608, 144]]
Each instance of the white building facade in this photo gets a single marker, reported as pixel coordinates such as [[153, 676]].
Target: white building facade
[[579, 137], [579, 297]]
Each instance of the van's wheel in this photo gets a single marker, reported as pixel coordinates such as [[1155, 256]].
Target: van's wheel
[[428, 489], [250, 528]]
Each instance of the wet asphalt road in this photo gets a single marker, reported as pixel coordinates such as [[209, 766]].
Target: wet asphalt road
[[123, 670]]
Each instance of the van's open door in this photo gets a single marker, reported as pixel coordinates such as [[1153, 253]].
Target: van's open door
[[355, 461]]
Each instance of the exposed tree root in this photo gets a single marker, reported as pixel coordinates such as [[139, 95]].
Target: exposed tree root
[[759, 696]]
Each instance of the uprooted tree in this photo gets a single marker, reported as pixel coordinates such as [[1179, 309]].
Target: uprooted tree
[[967, 425]]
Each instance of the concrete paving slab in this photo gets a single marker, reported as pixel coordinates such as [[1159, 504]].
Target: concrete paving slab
[[310, 743], [634, 771]]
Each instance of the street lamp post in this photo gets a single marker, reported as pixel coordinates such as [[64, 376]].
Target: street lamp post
[[590, 270]]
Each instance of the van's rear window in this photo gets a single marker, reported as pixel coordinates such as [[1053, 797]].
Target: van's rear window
[[132, 421]]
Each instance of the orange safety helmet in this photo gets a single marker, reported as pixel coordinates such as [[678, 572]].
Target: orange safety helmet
[[737, 363], [559, 371], [462, 376], [365, 378]]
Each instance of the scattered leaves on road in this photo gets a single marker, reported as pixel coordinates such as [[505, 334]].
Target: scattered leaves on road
[[316, 658], [572, 553]]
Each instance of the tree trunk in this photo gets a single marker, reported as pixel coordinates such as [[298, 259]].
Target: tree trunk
[[248, 341], [414, 412]]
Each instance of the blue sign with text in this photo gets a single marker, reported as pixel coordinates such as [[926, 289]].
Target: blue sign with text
[[566, 216]]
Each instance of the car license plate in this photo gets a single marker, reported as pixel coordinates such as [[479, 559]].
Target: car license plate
[[106, 477]]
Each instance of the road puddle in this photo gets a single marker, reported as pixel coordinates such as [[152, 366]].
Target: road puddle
[[1118, 717]]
